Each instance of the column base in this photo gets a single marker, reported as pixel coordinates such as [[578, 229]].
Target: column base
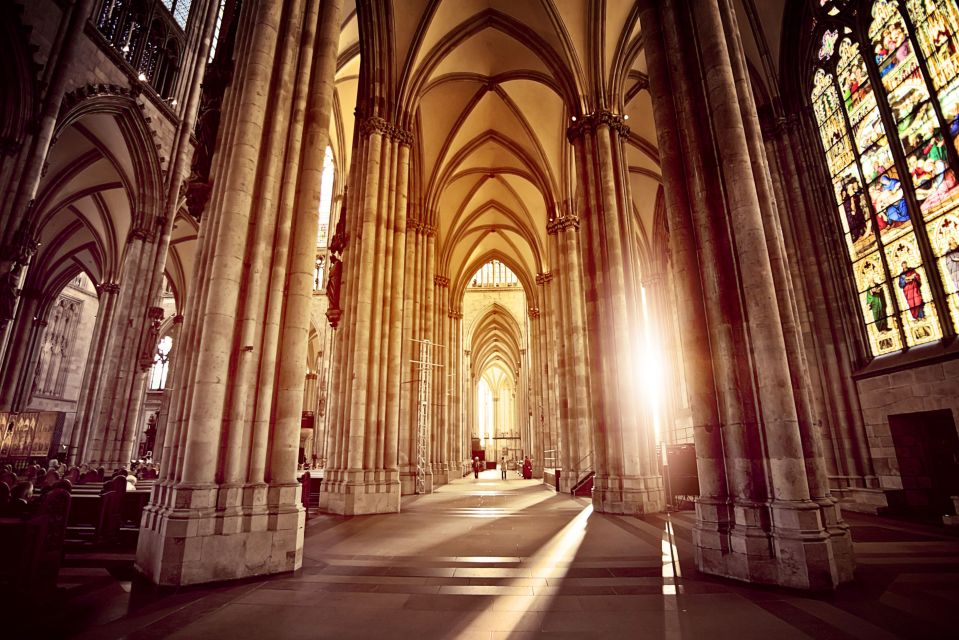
[[408, 481], [628, 495], [862, 500], [353, 493], [209, 533], [803, 545], [441, 474]]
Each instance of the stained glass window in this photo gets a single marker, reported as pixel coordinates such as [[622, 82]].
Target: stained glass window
[[326, 198], [161, 364], [828, 45], [180, 10], [937, 23], [887, 122]]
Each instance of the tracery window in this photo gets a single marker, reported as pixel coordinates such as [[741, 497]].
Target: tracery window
[[180, 10], [494, 274], [326, 198], [161, 364], [148, 38], [885, 94], [59, 337]]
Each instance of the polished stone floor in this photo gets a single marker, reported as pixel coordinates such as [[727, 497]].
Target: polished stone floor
[[512, 559]]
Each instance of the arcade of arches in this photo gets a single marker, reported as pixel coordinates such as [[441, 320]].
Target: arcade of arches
[[383, 239]]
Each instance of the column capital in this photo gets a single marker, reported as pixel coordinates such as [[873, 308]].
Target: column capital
[[140, 233], [591, 121], [544, 278], [563, 223], [178, 318], [109, 287], [402, 136], [441, 281], [455, 314], [534, 313], [375, 124]]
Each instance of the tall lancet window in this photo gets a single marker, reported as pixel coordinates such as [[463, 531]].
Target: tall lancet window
[[161, 364], [885, 94], [326, 199]]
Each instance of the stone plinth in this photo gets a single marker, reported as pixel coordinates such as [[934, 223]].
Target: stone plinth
[[628, 495], [408, 481], [354, 493], [803, 545], [197, 534]]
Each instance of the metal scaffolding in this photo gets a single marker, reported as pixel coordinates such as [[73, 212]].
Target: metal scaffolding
[[424, 409]]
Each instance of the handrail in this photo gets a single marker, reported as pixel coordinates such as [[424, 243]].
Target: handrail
[[583, 480], [585, 474], [583, 459], [549, 461]]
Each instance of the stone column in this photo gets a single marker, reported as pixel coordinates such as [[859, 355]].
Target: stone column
[[855, 461], [557, 312], [20, 357], [93, 372], [221, 512], [440, 427], [627, 479], [549, 436], [535, 440], [779, 534], [364, 466], [579, 445]]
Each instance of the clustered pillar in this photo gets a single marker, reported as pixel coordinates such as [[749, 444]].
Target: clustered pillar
[[226, 504], [576, 454], [765, 513], [623, 449], [372, 355]]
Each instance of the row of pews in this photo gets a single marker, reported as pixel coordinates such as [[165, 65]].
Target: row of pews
[[35, 537]]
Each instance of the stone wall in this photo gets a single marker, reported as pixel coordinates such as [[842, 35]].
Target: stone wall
[[929, 387], [97, 63]]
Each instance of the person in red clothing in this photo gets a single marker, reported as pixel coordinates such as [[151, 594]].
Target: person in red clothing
[[476, 467]]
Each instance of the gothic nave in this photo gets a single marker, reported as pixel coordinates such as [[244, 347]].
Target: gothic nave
[[539, 306]]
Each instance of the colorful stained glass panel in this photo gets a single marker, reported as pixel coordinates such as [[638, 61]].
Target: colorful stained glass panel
[[913, 294], [944, 238], [876, 305]]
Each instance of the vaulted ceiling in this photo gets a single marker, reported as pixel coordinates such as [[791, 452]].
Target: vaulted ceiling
[[488, 89]]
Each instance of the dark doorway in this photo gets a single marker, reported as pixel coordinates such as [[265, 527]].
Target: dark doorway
[[927, 449]]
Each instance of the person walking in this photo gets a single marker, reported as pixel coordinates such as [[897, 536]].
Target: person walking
[[476, 467], [502, 467]]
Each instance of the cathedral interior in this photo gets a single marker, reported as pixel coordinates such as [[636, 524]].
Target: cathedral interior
[[490, 318]]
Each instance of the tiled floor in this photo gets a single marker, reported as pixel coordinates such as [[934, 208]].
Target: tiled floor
[[495, 559]]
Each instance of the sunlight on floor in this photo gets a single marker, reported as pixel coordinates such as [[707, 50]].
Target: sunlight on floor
[[553, 559]]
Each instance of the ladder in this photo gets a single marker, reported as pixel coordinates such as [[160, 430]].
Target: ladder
[[424, 411]]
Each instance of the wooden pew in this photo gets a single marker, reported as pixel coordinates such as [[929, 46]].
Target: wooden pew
[[31, 548]]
